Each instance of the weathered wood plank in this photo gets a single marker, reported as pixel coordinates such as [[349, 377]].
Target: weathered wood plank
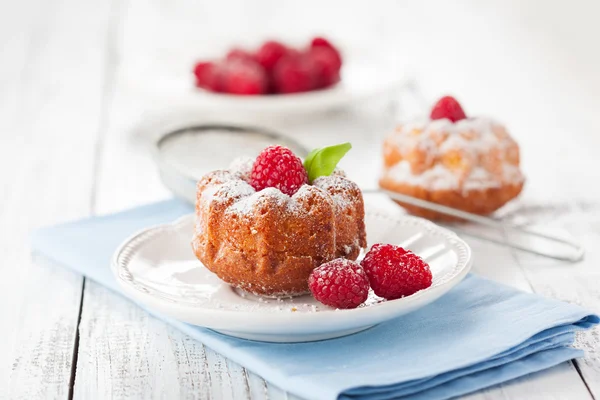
[[50, 103], [125, 353]]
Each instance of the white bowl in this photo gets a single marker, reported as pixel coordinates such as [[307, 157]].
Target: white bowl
[[158, 268], [361, 80]]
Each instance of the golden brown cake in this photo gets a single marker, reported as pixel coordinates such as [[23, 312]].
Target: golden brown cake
[[267, 242], [471, 164]]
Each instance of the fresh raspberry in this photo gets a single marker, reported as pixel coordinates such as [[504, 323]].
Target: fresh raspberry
[[269, 54], [395, 272], [240, 54], [292, 75], [208, 76], [244, 78], [278, 167], [322, 42], [448, 107], [339, 283], [323, 66]]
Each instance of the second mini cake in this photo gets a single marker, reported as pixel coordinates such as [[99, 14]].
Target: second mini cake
[[471, 164]]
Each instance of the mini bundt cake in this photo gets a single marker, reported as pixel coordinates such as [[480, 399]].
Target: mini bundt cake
[[267, 242], [469, 164]]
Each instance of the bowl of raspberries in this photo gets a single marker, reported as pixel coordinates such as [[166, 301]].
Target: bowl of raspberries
[[272, 69]]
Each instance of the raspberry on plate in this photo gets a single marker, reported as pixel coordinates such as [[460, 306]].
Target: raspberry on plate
[[324, 67], [395, 272], [245, 78], [208, 76], [324, 43], [278, 167], [269, 54], [339, 283], [292, 75], [448, 107]]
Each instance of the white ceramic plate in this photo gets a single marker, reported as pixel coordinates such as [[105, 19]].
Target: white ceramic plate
[[158, 268]]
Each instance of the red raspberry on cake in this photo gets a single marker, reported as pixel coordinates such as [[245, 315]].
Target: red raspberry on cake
[[244, 78], [278, 167], [448, 107], [339, 283], [395, 272]]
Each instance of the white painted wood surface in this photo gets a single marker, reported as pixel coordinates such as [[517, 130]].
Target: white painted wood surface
[[79, 79], [50, 103]]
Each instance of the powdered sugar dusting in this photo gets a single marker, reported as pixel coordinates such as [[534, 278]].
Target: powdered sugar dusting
[[236, 188], [338, 185], [247, 205], [234, 185], [435, 178], [470, 154], [242, 166], [247, 199]]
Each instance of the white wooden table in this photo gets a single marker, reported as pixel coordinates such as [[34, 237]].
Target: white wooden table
[[78, 76]]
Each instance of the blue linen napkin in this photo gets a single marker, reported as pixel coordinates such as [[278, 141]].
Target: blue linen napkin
[[479, 334]]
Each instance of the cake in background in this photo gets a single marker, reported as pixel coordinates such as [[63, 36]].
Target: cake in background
[[467, 163]]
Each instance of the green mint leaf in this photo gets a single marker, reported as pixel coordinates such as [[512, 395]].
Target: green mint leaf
[[322, 162], [309, 159]]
